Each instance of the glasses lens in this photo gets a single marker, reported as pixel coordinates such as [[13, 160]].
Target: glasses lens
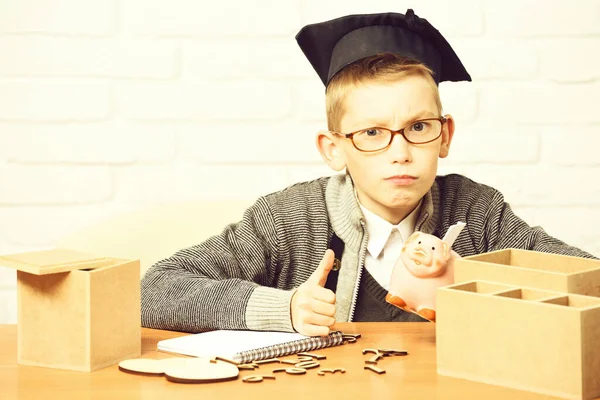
[[372, 139], [423, 131]]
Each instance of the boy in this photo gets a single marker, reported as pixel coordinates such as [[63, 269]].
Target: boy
[[273, 269]]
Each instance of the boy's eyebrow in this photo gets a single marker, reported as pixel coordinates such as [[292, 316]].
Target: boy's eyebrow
[[425, 114], [382, 123]]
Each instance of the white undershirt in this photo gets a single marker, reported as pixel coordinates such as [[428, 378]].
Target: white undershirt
[[385, 242]]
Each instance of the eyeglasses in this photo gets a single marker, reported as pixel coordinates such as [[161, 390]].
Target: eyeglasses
[[418, 132]]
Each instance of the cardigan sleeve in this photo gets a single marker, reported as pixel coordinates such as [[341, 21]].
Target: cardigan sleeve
[[503, 229], [222, 283]]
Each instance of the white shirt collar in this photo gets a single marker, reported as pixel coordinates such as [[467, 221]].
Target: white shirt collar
[[379, 229]]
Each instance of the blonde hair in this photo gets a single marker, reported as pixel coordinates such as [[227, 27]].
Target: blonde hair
[[384, 67]]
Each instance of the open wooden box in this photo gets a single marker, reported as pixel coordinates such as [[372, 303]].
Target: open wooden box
[[528, 339], [76, 311], [532, 269]]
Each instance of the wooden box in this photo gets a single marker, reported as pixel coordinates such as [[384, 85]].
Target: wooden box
[[76, 311], [528, 339], [532, 269]]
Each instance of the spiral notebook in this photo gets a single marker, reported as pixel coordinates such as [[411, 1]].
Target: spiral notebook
[[246, 346]]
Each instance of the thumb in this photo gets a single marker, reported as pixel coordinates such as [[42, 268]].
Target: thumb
[[319, 276]]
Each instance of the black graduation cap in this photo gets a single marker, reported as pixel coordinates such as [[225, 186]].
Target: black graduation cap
[[334, 44]]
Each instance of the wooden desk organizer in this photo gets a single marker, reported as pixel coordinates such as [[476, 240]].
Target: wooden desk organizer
[[527, 268], [76, 311], [523, 338]]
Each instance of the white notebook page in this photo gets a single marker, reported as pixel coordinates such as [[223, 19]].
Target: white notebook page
[[225, 343]]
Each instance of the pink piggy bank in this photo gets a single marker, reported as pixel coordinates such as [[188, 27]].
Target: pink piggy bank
[[425, 263]]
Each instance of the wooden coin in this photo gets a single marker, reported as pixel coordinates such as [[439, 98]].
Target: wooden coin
[[201, 370]]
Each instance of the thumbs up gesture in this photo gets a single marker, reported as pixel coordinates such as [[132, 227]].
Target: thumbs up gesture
[[313, 306]]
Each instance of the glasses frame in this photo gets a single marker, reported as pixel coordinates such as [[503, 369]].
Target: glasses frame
[[350, 135]]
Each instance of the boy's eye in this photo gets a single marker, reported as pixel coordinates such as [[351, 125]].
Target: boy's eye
[[418, 126]]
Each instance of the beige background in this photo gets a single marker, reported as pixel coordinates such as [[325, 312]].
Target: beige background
[[111, 105]]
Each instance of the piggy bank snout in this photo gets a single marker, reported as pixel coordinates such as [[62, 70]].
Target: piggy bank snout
[[421, 257]]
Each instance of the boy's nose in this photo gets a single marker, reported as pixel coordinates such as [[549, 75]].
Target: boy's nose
[[400, 149]]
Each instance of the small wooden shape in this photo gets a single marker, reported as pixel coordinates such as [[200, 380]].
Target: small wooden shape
[[392, 352], [76, 311], [532, 269], [295, 371], [313, 356], [257, 378], [350, 337], [307, 364], [201, 370], [375, 369], [353, 335], [374, 359], [523, 338], [278, 370], [374, 351], [246, 366], [270, 360], [289, 361], [322, 372], [252, 378], [227, 360]]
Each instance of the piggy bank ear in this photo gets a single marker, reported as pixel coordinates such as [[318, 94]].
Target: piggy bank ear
[[445, 247], [404, 248], [413, 237]]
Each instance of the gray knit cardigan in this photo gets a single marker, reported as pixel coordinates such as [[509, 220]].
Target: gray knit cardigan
[[244, 277]]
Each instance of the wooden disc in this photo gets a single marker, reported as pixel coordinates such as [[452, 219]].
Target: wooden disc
[[145, 366], [201, 370]]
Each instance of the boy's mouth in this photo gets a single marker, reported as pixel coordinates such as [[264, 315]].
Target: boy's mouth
[[401, 180]]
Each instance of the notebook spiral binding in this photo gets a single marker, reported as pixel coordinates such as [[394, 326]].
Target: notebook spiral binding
[[294, 347]]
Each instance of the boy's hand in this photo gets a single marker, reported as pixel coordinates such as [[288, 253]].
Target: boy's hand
[[313, 306]]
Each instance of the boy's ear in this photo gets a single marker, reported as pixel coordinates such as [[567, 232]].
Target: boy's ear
[[330, 151], [447, 135]]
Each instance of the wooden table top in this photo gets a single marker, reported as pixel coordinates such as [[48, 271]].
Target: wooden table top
[[409, 377]]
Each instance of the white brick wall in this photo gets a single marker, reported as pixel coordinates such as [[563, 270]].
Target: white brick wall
[[38, 100], [109, 105]]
